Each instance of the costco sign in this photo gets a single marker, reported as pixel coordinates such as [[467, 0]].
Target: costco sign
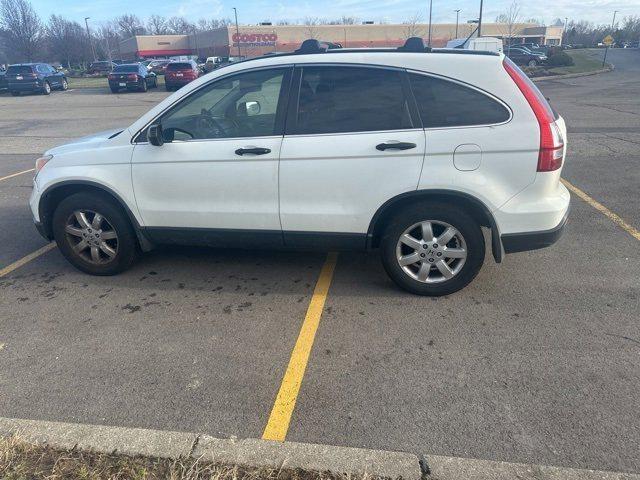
[[254, 39]]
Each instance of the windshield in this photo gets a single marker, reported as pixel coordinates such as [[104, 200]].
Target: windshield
[[126, 69], [19, 69]]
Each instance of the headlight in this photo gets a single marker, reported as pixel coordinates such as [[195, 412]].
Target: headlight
[[41, 162]]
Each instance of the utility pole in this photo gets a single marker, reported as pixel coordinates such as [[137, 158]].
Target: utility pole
[[606, 50], [237, 32], [93, 51], [457, 19], [480, 21], [430, 11]]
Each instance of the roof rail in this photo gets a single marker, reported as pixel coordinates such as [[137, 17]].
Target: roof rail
[[312, 45], [414, 44]]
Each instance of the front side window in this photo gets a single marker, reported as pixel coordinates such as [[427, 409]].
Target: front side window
[[443, 103], [338, 99], [243, 105]]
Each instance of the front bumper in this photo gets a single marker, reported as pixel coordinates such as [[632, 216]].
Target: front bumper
[[525, 241]]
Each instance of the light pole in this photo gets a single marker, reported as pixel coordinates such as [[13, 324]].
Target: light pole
[[237, 32], [86, 24], [564, 30], [480, 21], [430, 11], [457, 18], [614, 20]]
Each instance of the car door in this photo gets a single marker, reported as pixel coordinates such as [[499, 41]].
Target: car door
[[216, 175], [352, 142]]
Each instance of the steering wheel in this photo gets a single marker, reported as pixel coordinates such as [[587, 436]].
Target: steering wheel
[[208, 126]]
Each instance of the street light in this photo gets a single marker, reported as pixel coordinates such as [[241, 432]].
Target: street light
[[86, 24], [430, 10], [614, 20], [237, 32], [480, 21], [457, 18]]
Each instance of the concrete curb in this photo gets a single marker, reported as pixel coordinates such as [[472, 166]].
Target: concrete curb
[[256, 453], [248, 453], [609, 68]]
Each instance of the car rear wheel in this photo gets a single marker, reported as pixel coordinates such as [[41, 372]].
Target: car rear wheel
[[143, 85], [64, 85], [114, 90], [532, 63], [46, 88], [433, 249], [94, 234]]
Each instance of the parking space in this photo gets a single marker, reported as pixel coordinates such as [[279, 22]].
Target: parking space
[[536, 361]]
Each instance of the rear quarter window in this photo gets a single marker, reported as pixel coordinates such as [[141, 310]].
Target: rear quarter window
[[443, 103]]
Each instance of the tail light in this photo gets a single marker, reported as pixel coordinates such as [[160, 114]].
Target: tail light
[[551, 142], [132, 76]]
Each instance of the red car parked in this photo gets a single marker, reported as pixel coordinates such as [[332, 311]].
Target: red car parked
[[178, 74]]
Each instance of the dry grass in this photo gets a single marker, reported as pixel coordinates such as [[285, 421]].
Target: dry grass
[[21, 460]]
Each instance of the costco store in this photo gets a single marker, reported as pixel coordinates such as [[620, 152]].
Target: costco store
[[253, 41]]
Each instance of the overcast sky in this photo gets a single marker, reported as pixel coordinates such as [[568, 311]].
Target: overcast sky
[[254, 11]]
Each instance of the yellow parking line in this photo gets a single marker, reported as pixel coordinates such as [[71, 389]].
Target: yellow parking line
[[634, 232], [16, 174], [278, 423], [24, 260]]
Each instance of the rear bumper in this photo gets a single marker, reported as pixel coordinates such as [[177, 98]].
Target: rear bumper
[[25, 87], [525, 241], [129, 85]]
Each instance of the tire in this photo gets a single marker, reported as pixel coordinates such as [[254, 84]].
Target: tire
[[15, 94], [123, 248], [65, 85], [46, 88], [114, 90], [155, 82], [469, 242], [169, 88], [532, 63], [143, 86]]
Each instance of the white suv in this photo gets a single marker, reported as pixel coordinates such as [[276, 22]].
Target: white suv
[[408, 150]]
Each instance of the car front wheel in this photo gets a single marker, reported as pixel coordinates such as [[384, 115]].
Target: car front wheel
[[46, 88], [532, 63], [65, 85], [94, 234], [433, 249]]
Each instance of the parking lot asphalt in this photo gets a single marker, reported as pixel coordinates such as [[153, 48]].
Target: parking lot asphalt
[[536, 361]]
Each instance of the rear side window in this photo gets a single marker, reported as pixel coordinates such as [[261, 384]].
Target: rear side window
[[179, 66], [336, 99], [443, 103], [19, 69]]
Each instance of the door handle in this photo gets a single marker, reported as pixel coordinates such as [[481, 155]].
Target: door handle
[[253, 151], [395, 146]]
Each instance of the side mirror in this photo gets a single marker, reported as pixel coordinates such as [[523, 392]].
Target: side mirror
[[248, 109], [155, 135]]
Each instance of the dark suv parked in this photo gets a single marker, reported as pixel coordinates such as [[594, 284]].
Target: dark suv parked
[[132, 76], [524, 56], [34, 77]]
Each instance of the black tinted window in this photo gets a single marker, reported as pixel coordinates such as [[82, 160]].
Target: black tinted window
[[351, 99], [179, 66], [447, 104], [126, 69], [19, 69]]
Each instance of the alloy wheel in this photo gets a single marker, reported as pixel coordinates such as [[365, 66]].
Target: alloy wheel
[[91, 237], [431, 251]]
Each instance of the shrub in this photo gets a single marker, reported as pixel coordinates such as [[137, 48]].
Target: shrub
[[560, 59]]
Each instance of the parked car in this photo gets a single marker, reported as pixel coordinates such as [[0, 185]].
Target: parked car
[[158, 66], [100, 68], [490, 44], [34, 78], [411, 152], [178, 74], [212, 63], [132, 76], [3, 80], [524, 56]]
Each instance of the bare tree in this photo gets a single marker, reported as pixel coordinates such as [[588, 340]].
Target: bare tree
[[507, 23], [108, 41], [178, 25], [67, 41], [129, 25], [157, 25], [204, 24], [21, 27], [412, 26], [311, 26]]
